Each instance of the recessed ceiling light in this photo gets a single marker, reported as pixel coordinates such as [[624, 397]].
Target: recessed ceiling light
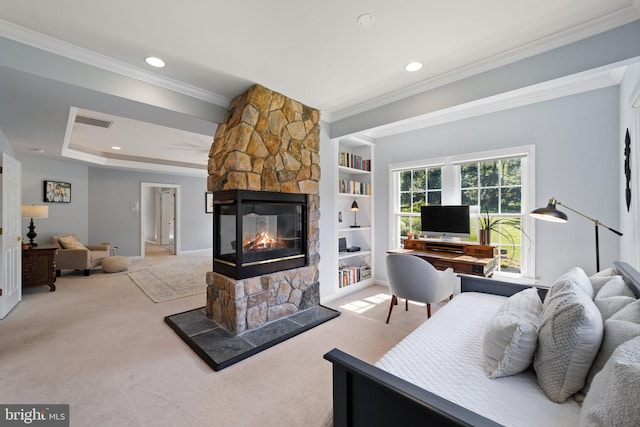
[[366, 20], [154, 62], [413, 66], [37, 150], [116, 148]]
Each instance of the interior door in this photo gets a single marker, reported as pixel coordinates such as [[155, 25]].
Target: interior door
[[168, 219], [10, 239]]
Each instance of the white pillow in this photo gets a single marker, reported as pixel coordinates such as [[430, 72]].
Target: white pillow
[[568, 339], [599, 279], [613, 296], [577, 275], [613, 397], [70, 242], [511, 336]]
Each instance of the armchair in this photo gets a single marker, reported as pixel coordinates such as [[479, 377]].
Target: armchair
[[73, 255], [414, 279]]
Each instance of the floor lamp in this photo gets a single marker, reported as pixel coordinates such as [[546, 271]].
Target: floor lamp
[[551, 213]]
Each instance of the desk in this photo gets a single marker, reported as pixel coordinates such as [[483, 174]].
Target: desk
[[462, 257]]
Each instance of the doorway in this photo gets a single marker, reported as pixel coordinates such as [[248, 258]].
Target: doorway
[[159, 217]]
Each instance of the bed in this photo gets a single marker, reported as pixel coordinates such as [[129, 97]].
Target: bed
[[434, 375]]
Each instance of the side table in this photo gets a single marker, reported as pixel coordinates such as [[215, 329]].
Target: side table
[[39, 267]]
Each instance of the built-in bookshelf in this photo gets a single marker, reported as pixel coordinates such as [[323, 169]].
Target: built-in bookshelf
[[355, 188]]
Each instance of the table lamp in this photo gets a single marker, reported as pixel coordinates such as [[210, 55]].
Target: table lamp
[[31, 212], [355, 208]]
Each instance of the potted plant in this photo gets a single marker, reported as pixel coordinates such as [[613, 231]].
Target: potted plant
[[488, 223]]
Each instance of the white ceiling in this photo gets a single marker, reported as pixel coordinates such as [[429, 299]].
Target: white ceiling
[[314, 52]]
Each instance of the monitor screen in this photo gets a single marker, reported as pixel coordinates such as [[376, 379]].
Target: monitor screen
[[445, 221]]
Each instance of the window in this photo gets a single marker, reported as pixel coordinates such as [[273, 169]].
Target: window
[[498, 183], [495, 187], [418, 187]]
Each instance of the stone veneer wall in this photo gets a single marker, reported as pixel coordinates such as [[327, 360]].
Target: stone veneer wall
[[267, 142]]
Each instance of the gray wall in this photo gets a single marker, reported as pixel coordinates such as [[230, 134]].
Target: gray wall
[[63, 217], [111, 219], [100, 204], [577, 161]]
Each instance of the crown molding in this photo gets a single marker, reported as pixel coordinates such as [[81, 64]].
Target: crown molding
[[58, 47], [579, 32], [557, 88]]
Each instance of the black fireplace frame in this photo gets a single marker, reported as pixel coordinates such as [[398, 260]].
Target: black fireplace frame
[[249, 197]]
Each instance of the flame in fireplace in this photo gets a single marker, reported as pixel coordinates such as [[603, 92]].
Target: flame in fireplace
[[262, 241]]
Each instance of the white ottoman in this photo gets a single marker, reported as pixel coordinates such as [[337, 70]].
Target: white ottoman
[[115, 264]]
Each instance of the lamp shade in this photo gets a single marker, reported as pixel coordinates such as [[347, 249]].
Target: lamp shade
[[30, 211], [549, 213], [354, 206]]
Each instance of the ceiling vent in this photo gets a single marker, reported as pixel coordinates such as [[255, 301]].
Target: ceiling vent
[[93, 122]]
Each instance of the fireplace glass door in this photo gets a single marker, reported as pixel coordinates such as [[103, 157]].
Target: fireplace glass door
[[254, 235]]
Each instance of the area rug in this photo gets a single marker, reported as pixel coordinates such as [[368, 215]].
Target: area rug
[[172, 281]]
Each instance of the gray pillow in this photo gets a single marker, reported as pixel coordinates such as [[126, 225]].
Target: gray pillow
[[568, 339], [599, 279], [511, 336], [613, 397], [577, 276], [613, 296]]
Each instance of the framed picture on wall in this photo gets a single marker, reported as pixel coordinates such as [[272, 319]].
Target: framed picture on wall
[[208, 202], [57, 192]]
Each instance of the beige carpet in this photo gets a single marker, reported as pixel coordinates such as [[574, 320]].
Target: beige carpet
[[100, 345], [176, 280]]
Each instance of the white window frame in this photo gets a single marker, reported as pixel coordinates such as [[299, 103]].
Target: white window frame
[[451, 193]]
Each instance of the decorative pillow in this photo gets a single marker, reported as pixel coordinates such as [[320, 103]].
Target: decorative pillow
[[568, 339], [613, 296], [70, 242], [511, 336], [599, 279], [577, 275], [613, 398]]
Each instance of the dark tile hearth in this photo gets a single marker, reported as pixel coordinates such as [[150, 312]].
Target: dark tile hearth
[[220, 348]]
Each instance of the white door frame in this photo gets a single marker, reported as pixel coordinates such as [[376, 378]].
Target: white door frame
[[143, 207], [11, 234]]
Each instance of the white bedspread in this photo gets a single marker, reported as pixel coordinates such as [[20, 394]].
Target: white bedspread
[[444, 356]]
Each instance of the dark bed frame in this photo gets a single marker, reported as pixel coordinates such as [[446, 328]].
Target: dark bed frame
[[364, 395]]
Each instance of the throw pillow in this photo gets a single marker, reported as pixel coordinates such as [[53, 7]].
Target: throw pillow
[[599, 279], [70, 242], [578, 276], [568, 339], [512, 334], [613, 296], [613, 398]]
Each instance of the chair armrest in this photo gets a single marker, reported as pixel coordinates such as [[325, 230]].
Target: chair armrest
[[72, 259]]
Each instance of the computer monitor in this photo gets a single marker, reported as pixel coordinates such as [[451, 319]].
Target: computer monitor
[[445, 221]]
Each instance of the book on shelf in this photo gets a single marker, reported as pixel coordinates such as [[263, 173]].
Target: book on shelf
[[355, 187], [354, 161], [348, 275]]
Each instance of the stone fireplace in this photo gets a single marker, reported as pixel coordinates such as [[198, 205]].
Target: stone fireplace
[[267, 143]]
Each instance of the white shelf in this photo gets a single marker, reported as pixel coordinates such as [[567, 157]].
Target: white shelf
[[346, 255], [353, 171], [354, 195], [353, 178], [348, 229]]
